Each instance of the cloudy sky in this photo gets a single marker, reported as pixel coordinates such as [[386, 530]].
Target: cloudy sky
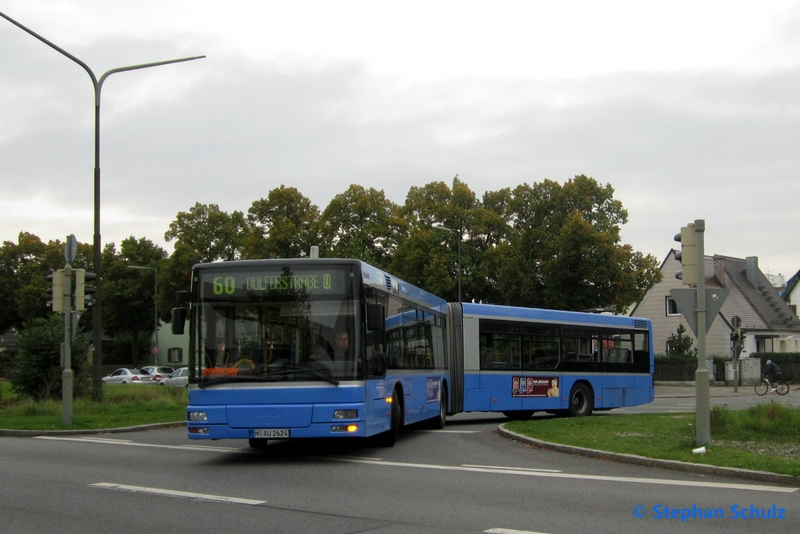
[[690, 110]]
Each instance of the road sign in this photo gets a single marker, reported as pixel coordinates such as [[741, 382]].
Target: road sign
[[686, 299], [70, 248]]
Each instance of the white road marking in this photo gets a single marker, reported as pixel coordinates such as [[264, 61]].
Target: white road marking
[[518, 471], [517, 468], [524, 472], [511, 531], [108, 441], [445, 431], [181, 494]]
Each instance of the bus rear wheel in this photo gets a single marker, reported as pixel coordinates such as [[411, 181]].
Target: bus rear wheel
[[438, 422], [581, 402]]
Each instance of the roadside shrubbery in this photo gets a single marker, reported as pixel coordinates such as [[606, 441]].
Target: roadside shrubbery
[[36, 370]]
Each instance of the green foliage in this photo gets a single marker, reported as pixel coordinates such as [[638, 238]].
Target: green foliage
[[123, 406], [211, 232], [36, 371], [772, 421], [672, 436], [364, 224], [284, 225], [128, 305], [680, 344]]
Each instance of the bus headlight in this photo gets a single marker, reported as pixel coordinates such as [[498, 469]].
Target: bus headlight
[[345, 414], [344, 428], [198, 416]]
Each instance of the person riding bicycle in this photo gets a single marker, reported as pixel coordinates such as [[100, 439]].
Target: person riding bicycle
[[772, 373]]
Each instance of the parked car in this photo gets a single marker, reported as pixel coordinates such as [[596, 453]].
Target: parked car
[[179, 378], [127, 376], [156, 373]]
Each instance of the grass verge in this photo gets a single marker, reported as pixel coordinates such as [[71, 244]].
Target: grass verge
[[122, 406], [763, 438]]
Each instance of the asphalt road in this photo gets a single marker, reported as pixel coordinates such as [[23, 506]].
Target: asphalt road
[[465, 478], [681, 398]]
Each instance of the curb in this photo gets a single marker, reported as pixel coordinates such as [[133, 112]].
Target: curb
[[86, 431], [761, 476]]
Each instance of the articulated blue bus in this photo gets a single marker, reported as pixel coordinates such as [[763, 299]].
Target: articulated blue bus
[[302, 348], [311, 348]]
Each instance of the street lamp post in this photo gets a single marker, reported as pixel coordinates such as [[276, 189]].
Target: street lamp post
[[97, 324], [155, 305], [457, 233]]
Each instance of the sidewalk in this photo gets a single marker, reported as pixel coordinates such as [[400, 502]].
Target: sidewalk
[[687, 389]]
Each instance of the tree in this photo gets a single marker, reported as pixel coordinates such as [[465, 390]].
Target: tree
[[128, 294], [363, 224], [36, 371], [565, 249], [174, 276], [680, 344], [284, 225], [429, 257], [24, 267], [211, 232]]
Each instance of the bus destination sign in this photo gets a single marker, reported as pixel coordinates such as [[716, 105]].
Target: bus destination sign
[[229, 284]]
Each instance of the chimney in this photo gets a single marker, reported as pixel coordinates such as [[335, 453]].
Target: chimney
[[752, 271]]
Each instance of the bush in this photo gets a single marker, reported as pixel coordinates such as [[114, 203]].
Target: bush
[[36, 370]]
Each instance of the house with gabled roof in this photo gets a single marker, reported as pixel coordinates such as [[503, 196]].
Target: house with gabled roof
[[767, 321], [791, 292]]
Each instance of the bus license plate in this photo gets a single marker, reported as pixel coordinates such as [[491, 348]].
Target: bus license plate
[[272, 433]]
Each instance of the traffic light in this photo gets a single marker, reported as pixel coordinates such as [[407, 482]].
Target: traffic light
[[736, 337], [83, 292], [687, 255], [56, 290]]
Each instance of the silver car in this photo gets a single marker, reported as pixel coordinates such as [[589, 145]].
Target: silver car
[[127, 376], [156, 373], [179, 378]]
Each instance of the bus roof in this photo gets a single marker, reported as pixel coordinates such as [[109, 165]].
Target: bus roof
[[554, 316]]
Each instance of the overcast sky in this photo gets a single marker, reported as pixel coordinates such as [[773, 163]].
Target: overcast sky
[[690, 110]]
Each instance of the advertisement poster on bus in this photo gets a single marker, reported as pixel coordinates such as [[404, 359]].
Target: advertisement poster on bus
[[432, 394], [534, 386]]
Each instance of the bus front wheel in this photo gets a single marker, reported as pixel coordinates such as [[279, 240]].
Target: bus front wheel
[[258, 443], [580, 401], [388, 438]]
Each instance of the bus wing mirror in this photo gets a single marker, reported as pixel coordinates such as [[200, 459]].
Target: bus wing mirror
[[376, 317], [178, 320]]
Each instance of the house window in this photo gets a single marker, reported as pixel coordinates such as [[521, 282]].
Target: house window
[[672, 307]]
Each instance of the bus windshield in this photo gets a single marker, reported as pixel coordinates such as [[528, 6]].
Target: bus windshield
[[277, 324]]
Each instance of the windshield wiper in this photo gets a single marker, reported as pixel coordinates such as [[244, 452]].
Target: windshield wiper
[[229, 379], [292, 369]]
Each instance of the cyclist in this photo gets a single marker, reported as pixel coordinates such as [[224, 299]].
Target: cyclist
[[772, 373]]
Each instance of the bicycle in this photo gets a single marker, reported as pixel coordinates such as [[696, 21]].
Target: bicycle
[[781, 388]]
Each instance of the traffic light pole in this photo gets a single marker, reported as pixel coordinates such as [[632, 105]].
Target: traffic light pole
[[66, 375], [702, 387], [699, 306]]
